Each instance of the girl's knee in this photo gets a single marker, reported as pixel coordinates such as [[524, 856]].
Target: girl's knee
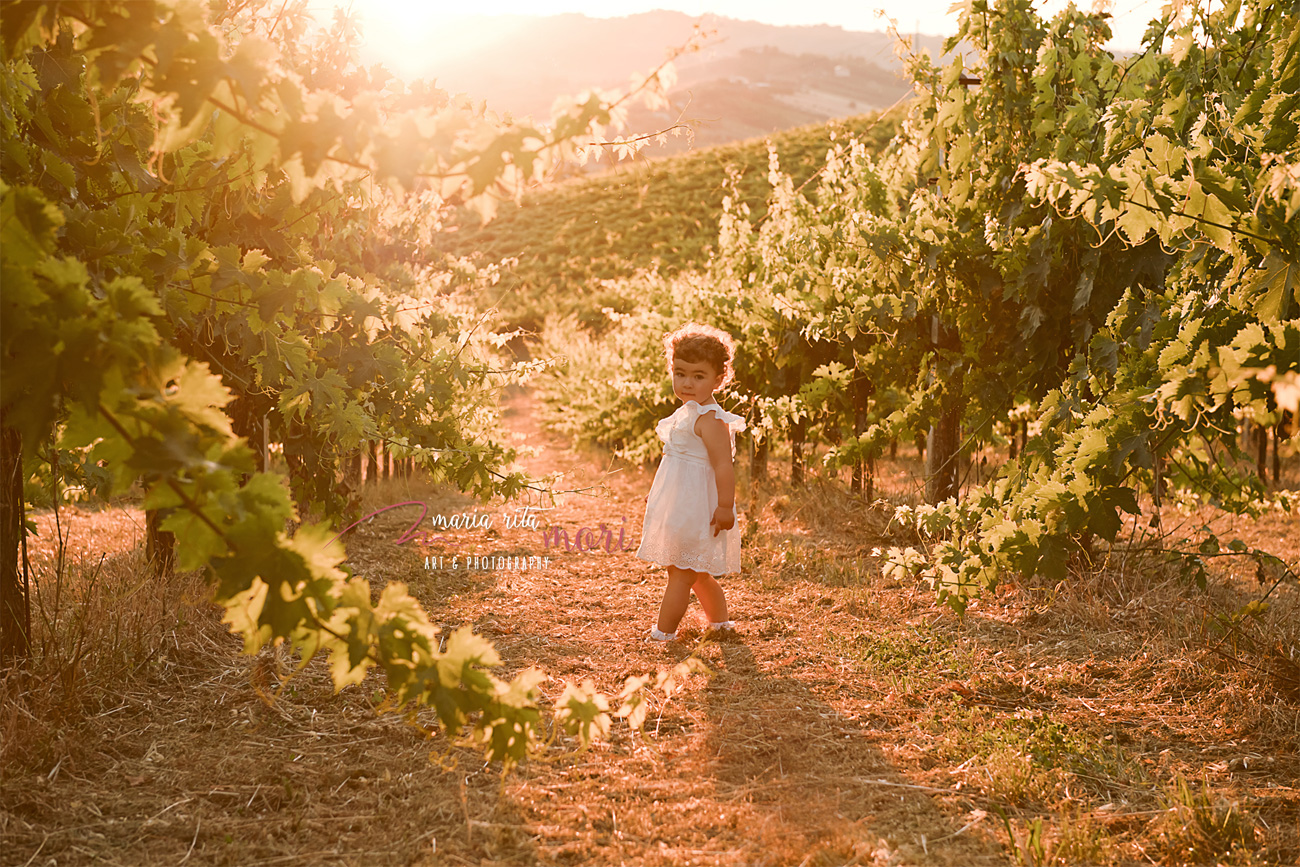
[[683, 576]]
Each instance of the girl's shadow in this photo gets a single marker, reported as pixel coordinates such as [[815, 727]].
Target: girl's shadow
[[815, 778]]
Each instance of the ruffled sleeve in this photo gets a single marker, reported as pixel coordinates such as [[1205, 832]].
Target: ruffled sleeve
[[735, 423], [688, 412], [665, 426]]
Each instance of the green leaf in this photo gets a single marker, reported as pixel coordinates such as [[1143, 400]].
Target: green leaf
[[1213, 218], [582, 711], [1193, 569], [28, 223], [1274, 288]]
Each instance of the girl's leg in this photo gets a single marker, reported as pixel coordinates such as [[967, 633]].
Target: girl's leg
[[677, 596], [712, 599]]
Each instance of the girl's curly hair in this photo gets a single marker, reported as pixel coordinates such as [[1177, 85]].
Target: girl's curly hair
[[697, 343]]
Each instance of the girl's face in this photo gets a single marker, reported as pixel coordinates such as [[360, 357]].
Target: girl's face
[[694, 380]]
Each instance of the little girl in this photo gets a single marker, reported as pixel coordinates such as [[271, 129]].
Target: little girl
[[690, 518]]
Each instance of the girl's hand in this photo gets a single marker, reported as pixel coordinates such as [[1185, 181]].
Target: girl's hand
[[724, 518]]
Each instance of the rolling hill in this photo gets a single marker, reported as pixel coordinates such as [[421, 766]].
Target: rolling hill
[[747, 78], [663, 213]]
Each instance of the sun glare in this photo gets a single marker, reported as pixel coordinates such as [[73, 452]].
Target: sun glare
[[412, 37], [415, 38]]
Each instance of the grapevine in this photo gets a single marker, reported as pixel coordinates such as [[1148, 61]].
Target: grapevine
[[1102, 250], [208, 231]]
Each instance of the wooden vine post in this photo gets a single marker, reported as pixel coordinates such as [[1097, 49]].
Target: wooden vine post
[[798, 437], [1279, 431], [864, 469], [159, 544], [758, 460], [15, 604], [943, 442], [941, 453]]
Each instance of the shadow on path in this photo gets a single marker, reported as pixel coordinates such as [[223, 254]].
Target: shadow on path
[[814, 785]]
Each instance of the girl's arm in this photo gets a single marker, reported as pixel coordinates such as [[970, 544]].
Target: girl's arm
[[717, 441]]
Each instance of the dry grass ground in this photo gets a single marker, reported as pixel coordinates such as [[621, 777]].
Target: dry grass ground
[[851, 722]]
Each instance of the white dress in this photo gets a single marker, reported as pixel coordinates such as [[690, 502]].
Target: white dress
[[683, 496]]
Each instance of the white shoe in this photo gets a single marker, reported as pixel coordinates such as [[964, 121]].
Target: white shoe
[[656, 635], [724, 626]]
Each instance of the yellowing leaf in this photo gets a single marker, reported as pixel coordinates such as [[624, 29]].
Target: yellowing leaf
[[243, 610], [320, 549], [1168, 158], [343, 671], [1094, 446], [1138, 215], [522, 691], [254, 260], [200, 395], [583, 711], [464, 648], [1212, 217]]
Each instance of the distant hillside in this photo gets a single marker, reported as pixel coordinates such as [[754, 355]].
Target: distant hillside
[[764, 90], [748, 79], [651, 213]]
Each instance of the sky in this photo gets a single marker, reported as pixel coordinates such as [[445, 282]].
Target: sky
[[404, 32], [932, 16]]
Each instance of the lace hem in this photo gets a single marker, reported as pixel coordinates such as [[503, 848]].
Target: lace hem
[[685, 560]]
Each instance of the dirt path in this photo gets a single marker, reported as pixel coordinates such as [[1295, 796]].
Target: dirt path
[[773, 758], [850, 723]]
